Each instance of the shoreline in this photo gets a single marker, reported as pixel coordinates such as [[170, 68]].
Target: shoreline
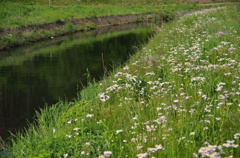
[[60, 28]]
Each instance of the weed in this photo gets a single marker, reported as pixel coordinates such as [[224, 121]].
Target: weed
[[70, 27], [91, 25]]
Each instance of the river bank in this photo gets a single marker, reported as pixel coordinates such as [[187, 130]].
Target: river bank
[[60, 69], [54, 29], [176, 97], [23, 24]]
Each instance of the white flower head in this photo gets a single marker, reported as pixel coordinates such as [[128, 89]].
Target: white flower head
[[142, 155], [237, 136], [76, 129], [192, 133], [119, 131], [89, 115], [107, 153]]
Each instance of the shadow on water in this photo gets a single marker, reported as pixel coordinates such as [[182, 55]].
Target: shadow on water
[[49, 70]]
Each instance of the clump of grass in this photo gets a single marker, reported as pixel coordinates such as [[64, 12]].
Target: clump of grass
[[70, 27], [176, 97]]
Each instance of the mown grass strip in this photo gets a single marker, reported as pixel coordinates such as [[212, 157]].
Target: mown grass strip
[[177, 97]]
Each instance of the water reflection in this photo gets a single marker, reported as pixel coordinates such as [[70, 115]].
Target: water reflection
[[47, 71]]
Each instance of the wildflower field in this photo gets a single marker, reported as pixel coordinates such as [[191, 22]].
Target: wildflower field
[[177, 97]]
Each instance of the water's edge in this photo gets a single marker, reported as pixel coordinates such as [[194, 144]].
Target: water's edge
[[82, 24], [12, 76]]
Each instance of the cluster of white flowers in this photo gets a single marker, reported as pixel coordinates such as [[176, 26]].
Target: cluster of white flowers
[[190, 97], [103, 97], [215, 151]]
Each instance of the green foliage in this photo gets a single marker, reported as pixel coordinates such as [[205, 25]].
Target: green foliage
[[90, 25], [70, 27], [16, 14]]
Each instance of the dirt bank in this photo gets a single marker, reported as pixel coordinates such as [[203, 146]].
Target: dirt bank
[[96, 22], [17, 36]]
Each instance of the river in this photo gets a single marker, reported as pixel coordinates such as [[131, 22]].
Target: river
[[42, 73]]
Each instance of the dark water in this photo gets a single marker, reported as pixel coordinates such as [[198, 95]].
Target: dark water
[[44, 72]]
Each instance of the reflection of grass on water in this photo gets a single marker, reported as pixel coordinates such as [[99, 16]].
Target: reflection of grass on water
[[17, 57]]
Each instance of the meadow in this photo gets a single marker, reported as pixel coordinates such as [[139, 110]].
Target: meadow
[[178, 96]]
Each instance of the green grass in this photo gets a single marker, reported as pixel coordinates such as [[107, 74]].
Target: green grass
[[176, 97], [114, 2], [17, 14], [14, 14], [93, 2]]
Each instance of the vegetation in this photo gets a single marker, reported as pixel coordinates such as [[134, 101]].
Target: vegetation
[[16, 14], [27, 13], [176, 97], [114, 2]]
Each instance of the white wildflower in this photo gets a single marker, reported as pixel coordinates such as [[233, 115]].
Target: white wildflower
[[76, 129], [107, 153], [142, 155], [69, 122], [119, 131], [89, 115], [159, 147], [192, 133], [237, 136]]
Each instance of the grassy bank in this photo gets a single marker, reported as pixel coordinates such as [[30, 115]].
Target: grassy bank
[[14, 15], [176, 97], [17, 14]]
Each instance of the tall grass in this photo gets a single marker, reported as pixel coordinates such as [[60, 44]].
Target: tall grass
[[176, 97]]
